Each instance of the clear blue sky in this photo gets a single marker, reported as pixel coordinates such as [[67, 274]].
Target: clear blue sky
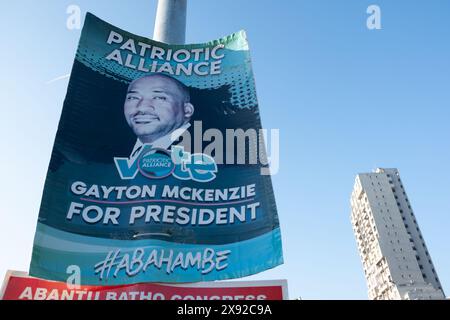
[[345, 99]]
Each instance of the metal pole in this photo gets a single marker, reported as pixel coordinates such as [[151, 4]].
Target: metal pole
[[170, 23]]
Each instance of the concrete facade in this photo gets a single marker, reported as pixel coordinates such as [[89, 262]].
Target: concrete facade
[[396, 262]]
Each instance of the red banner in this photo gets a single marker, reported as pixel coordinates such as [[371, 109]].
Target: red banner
[[19, 286]]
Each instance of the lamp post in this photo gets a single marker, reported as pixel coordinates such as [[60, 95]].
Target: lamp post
[[170, 23]]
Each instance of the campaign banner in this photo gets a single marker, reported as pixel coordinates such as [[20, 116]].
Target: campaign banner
[[19, 286], [159, 170]]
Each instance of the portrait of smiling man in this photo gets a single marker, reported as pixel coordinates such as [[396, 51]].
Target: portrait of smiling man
[[155, 107]]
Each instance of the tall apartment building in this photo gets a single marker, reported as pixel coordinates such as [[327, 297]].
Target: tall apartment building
[[396, 262]]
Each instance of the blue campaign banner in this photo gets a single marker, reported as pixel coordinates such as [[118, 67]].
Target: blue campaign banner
[[159, 170]]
